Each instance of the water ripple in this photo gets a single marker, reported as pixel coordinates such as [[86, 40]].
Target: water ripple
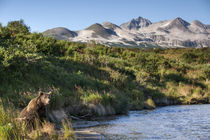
[[186, 122]]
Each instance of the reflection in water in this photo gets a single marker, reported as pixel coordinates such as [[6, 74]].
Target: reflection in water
[[190, 122]]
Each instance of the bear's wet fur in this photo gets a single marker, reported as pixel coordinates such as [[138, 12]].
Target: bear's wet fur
[[35, 112]]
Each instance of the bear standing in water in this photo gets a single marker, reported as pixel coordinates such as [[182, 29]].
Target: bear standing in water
[[35, 110]]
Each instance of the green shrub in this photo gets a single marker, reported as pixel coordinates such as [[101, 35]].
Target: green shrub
[[136, 99], [206, 72], [121, 104], [108, 99], [197, 93], [149, 104], [189, 57], [94, 98]]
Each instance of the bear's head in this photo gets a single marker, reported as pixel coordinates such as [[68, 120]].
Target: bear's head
[[44, 98]]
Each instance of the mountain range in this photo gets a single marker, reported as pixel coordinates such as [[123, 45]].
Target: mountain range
[[140, 32]]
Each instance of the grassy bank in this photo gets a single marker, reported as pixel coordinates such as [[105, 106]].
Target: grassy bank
[[93, 79]]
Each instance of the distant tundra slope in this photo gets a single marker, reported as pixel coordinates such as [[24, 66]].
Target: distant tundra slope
[[140, 32]]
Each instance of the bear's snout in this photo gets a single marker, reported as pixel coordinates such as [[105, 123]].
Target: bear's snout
[[47, 101]]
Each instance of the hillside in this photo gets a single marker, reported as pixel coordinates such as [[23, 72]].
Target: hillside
[[142, 33], [60, 33], [100, 31], [94, 80], [31, 62]]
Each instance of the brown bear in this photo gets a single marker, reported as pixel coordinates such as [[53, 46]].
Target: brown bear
[[35, 112]]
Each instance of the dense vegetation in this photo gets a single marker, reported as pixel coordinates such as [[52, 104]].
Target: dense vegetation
[[89, 75]]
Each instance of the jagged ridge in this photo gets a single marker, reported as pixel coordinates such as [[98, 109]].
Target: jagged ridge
[[140, 32]]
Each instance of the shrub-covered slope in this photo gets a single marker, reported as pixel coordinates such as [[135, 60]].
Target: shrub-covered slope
[[94, 77]]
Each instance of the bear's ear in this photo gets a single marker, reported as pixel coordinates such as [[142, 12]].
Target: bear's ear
[[40, 93]]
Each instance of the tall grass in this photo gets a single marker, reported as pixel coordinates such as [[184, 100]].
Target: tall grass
[[13, 129], [68, 131], [9, 128]]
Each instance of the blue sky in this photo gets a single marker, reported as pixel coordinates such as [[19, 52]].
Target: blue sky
[[79, 14]]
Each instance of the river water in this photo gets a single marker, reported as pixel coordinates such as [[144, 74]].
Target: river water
[[182, 122]]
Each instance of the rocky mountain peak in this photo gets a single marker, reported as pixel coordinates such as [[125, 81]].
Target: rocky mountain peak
[[178, 23], [179, 20], [110, 25], [198, 23], [136, 24]]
